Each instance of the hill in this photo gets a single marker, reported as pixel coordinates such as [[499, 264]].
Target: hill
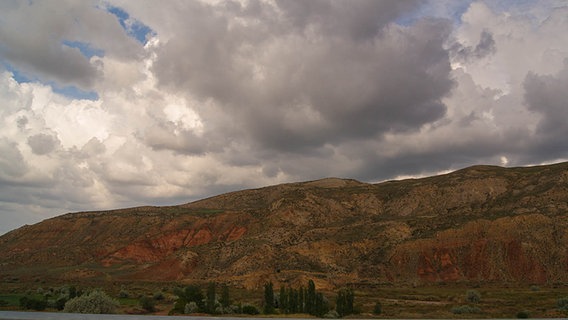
[[479, 224]]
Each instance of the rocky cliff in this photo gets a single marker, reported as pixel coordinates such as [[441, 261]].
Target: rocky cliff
[[481, 224]]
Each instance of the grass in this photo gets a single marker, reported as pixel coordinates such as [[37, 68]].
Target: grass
[[11, 300]]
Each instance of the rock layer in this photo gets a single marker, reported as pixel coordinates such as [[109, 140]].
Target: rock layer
[[480, 224]]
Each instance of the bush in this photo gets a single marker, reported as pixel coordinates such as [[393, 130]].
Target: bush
[[191, 307], [96, 302], [60, 303], [378, 308], [562, 304], [159, 296], [472, 296], [148, 304], [34, 303], [123, 294], [465, 309], [523, 315], [332, 315], [248, 309]]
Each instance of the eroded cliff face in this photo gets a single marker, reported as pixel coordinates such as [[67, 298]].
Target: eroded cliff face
[[482, 224]]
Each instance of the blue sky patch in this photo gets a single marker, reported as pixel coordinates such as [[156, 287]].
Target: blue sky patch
[[76, 93], [133, 27], [18, 76], [70, 92], [85, 48]]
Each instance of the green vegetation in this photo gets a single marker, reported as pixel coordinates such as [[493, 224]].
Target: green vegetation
[[472, 296], [148, 304], [268, 298], [38, 303], [191, 294], [385, 301], [378, 309], [95, 302], [562, 304], [344, 302], [466, 309], [250, 309], [523, 315]]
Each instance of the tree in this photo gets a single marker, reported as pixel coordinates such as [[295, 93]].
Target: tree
[[191, 293], [268, 298], [283, 298], [225, 298], [310, 298], [301, 299], [210, 302], [344, 302], [321, 305]]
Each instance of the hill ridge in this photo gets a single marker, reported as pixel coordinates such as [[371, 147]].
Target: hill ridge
[[482, 223]]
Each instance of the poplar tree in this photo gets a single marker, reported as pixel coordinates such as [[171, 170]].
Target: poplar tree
[[311, 298], [225, 298], [301, 306], [210, 302], [283, 306], [268, 298]]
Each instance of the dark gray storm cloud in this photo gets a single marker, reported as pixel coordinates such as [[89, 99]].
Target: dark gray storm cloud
[[547, 96], [39, 48], [308, 73]]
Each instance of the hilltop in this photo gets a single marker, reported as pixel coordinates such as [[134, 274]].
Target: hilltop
[[479, 224]]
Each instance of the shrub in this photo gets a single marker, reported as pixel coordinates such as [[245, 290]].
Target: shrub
[[562, 303], [148, 304], [96, 302], [60, 302], [248, 309], [378, 308], [34, 303], [465, 309], [522, 315], [191, 307], [332, 315], [123, 294], [159, 296], [472, 296]]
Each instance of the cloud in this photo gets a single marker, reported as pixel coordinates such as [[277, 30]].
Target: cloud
[[327, 77], [43, 143], [35, 39], [547, 96]]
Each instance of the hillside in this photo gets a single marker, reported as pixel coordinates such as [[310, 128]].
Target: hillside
[[479, 224]]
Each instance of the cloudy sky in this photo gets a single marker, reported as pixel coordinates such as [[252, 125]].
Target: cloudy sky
[[108, 104]]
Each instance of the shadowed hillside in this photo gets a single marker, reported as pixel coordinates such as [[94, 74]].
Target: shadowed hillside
[[481, 224]]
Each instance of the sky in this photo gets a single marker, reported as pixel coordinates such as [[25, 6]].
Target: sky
[[121, 103]]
